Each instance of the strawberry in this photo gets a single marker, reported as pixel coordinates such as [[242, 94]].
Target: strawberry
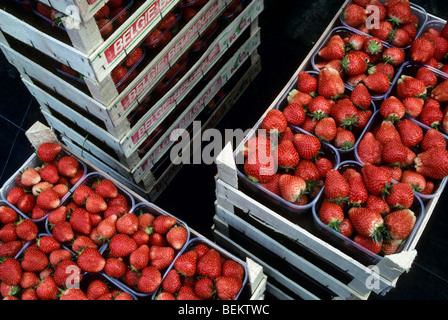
[[186, 263], [227, 288], [399, 13], [291, 187], [386, 131], [127, 224], [80, 221], [307, 146], [431, 115], [30, 177], [139, 258], [330, 84], [422, 50], [354, 15], [432, 163], [102, 13], [336, 187], [367, 222], [96, 288], [209, 265], [58, 255], [272, 185], [399, 38], [64, 271], [26, 229], [10, 271], [373, 46], [74, 294], [187, 293], [83, 241], [26, 203], [433, 138], [12, 197], [383, 67], [308, 171], [440, 92], [392, 109], [133, 57], [105, 27], [8, 232], [106, 229], [90, 260], [10, 249], [306, 83], [344, 139], [358, 192], [81, 194], [415, 180], [440, 48], [408, 86], [48, 199], [294, 114], [329, 52], [260, 168], [377, 82], [47, 289], [177, 237], [295, 96], [121, 245], [355, 42], [360, 96], [118, 73], [326, 129], [163, 223], [106, 188], [49, 173], [319, 107], [29, 279], [376, 179], [369, 243], [95, 203], [411, 134], [413, 106], [353, 64], [48, 151], [346, 228], [8, 215], [115, 267], [287, 155], [204, 288], [427, 76], [231, 268], [257, 144], [149, 280], [47, 244], [274, 122], [62, 231], [397, 154], [331, 214], [400, 223], [161, 257], [401, 196], [345, 114], [68, 166]]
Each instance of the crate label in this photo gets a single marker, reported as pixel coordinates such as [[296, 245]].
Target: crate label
[[135, 29]]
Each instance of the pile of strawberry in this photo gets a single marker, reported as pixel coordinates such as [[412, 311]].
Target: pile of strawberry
[[15, 231], [127, 71], [397, 24], [46, 270], [142, 248], [423, 95], [40, 189], [364, 205], [201, 273], [322, 106], [298, 156], [361, 59], [431, 48], [411, 154], [110, 17]]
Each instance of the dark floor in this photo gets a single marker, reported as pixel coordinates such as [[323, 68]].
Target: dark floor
[[289, 30]]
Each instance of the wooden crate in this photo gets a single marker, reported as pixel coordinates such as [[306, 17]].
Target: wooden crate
[[126, 150], [95, 58], [152, 183], [115, 118], [79, 10], [255, 287]]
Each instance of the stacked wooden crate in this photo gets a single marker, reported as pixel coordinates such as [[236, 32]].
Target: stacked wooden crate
[[301, 260], [124, 126]]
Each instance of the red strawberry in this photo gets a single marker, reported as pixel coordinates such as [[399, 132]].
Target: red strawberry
[[187, 293], [227, 288], [149, 280], [294, 114], [115, 267], [8, 215], [413, 106], [330, 83], [30, 177], [96, 288], [127, 224], [177, 237], [68, 166], [34, 260], [105, 27], [386, 68], [411, 133], [80, 221], [394, 55], [433, 138], [399, 13], [408, 86], [422, 50], [81, 194], [324, 165], [440, 92], [307, 146], [26, 203], [106, 188], [260, 168], [48, 199], [326, 129], [331, 214], [163, 223], [83, 241], [73, 294], [62, 231], [90, 260], [287, 155], [139, 258], [319, 107], [47, 244], [102, 13], [291, 187], [336, 187], [367, 222], [358, 192], [356, 41], [8, 232], [106, 229], [353, 64], [400, 223], [12, 197], [50, 173], [171, 282], [361, 97], [48, 151], [59, 255], [274, 122], [376, 179], [161, 257], [396, 153], [47, 289], [386, 132], [373, 46], [121, 245], [231, 268], [10, 249], [26, 229], [369, 243], [306, 83], [118, 74], [308, 171], [400, 196], [29, 279], [345, 139], [204, 288], [95, 203], [331, 51], [64, 271], [133, 57], [345, 114], [354, 15], [399, 38], [431, 115], [415, 180], [10, 271], [186, 263], [432, 163], [209, 265], [377, 82], [427, 76], [381, 33]]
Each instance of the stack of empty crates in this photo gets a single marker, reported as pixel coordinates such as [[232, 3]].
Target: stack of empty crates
[[114, 79]]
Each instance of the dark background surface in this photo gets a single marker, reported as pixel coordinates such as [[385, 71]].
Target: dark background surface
[[289, 30]]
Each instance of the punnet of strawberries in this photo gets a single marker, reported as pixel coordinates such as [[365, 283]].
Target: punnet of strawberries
[[202, 272], [398, 23], [289, 163], [47, 270], [362, 203], [40, 188], [360, 59]]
